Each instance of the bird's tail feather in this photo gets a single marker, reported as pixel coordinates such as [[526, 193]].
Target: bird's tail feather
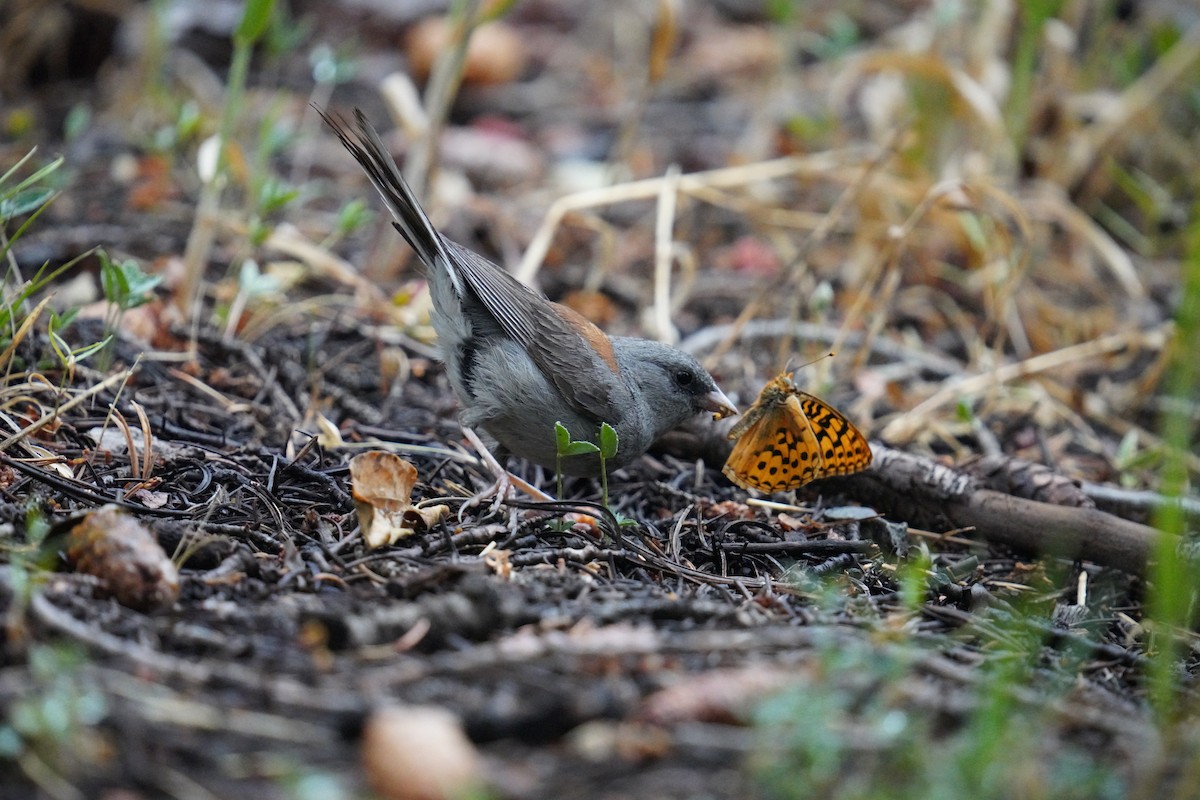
[[410, 219]]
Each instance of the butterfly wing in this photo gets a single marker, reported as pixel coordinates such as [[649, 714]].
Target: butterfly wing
[[841, 447], [777, 450], [740, 465]]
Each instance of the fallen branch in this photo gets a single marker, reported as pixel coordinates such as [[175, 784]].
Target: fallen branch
[[927, 494], [930, 495]]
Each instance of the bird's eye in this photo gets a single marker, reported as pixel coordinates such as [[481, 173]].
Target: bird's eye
[[684, 377]]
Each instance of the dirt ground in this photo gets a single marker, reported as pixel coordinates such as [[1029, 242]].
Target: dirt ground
[[1002, 318]]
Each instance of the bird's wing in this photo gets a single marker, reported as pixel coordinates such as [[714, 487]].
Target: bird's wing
[[572, 353]]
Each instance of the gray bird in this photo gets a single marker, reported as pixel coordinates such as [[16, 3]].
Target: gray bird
[[518, 362]]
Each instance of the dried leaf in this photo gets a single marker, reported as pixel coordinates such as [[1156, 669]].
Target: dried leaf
[[382, 484]]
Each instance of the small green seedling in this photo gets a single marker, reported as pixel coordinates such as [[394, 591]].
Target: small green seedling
[[606, 450], [566, 446], [125, 287], [609, 441], [69, 357], [352, 216]]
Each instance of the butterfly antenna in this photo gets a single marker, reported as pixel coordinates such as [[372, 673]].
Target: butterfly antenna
[[788, 366]]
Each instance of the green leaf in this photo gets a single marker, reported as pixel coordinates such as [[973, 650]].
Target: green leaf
[[254, 20], [353, 216], [30, 180], [91, 349], [580, 449], [137, 286], [609, 441], [188, 122], [141, 284], [973, 228], [43, 278], [562, 438], [65, 320], [780, 11], [275, 136], [125, 285], [23, 202], [274, 195], [112, 280], [57, 343]]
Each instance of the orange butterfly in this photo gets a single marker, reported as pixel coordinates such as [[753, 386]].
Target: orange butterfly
[[788, 438]]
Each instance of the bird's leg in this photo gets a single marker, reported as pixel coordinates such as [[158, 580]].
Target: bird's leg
[[506, 483]]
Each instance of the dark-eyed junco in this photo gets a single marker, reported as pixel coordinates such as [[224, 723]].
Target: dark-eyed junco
[[518, 362]]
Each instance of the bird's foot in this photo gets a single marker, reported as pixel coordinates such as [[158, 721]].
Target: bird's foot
[[505, 486]]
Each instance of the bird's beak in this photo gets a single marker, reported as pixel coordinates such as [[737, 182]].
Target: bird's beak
[[720, 406]]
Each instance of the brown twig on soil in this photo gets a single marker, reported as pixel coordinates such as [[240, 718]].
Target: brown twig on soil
[[928, 494]]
